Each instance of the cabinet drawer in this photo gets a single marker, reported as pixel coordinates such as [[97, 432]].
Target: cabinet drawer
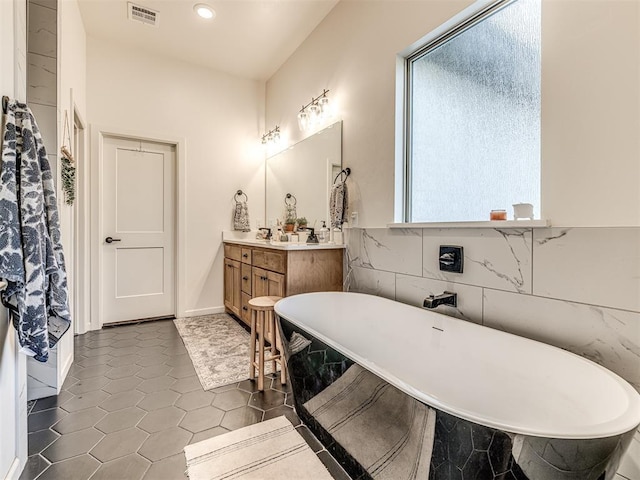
[[246, 255], [270, 260], [246, 278], [233, 252], [245, 313]]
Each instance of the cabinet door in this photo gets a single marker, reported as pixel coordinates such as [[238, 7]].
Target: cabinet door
[[267, 283], [232, 286], [275, 284], [259, 282]]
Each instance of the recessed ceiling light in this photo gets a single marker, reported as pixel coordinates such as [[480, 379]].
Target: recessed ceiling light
[[205, 11]]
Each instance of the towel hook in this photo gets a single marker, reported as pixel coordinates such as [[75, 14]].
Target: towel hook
[[239, 193], [288, 196], [5, 103], [346, 172]]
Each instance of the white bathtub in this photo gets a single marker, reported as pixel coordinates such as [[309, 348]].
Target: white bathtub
[[484, 376]]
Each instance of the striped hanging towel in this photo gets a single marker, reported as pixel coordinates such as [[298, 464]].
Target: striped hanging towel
[[31, 257]]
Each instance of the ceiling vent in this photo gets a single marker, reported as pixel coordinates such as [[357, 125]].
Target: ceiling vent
[[142, 14]]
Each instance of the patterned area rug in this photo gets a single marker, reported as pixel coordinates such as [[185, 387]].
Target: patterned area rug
[[271, 450], [218, 347]]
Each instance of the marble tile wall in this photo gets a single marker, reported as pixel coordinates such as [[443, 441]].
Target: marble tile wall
[[575, 288], [42, 60], [20, 73]]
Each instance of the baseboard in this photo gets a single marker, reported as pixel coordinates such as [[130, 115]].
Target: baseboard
[[203, 311]]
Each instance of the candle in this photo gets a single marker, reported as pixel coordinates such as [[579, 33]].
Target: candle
[[498, 215]]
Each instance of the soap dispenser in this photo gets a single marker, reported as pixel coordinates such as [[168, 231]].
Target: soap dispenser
[[323, 233], [337, 236]]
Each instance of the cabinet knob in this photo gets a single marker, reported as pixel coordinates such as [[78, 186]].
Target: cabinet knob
[[245, 255], [245, 308], [263, 278], [245, 278]]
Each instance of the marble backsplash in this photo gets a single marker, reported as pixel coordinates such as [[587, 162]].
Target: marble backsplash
[[575, 288]]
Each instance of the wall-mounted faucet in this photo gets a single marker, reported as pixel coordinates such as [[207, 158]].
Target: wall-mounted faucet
[[266, 235], [446, 298]]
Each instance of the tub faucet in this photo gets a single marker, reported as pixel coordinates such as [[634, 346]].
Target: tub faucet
[[446, 298]]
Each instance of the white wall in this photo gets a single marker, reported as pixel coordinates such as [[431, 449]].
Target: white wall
[[72, 96], [13, 372], [221, 119], [590, 111]]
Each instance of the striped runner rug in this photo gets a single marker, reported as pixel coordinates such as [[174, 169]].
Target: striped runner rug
[[271, 450], [398, 429]]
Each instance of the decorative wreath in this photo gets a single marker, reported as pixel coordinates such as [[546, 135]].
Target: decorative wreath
[[68, 173]]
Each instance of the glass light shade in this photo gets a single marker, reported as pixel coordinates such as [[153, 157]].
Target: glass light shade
[[303, 120], [325, 106], [314, 114]]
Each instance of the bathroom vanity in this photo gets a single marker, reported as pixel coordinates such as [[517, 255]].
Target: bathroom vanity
[[254, 268]]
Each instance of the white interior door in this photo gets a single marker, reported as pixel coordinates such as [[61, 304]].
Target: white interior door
[[138, 234]]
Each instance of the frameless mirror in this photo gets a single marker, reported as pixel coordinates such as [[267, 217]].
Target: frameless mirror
[[306, 170]]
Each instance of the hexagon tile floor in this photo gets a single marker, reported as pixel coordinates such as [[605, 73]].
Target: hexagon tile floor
[[130, 404]]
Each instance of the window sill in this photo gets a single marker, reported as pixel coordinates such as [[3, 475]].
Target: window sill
[[490, 224]]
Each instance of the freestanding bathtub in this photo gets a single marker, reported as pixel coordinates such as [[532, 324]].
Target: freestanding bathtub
[[398, 392]]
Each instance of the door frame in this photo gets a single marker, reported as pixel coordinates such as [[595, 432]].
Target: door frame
[[98, 134], [80, 225]]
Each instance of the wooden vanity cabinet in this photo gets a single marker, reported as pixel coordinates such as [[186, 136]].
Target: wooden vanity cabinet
[[232, 289], [258, 271]]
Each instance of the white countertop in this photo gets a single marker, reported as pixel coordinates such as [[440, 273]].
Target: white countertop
[[248, 238]]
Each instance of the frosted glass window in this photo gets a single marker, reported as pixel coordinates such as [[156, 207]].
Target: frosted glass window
[[474, 120]]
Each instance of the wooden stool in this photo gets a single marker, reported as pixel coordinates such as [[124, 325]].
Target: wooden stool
[[264, 327]]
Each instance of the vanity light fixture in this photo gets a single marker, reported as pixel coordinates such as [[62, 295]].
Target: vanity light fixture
[[315, 112], [272, 136], [205, 11]]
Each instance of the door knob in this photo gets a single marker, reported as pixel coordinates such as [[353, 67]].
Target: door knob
[[111, 240]]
